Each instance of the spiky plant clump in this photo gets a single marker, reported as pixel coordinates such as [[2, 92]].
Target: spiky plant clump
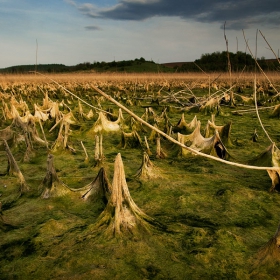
[[130, 140], [147, 169], [100, 187], [122, 216], [51, 185], [269, 255]]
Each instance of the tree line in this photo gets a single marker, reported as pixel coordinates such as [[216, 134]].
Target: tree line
[[208, 62], [220, 62]]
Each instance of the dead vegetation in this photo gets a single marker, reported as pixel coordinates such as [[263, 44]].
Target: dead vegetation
[[185, 169], [121, 215]]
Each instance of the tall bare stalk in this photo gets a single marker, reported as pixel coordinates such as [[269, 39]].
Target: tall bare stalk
[[276, 56], [247, 45], [229, 68]]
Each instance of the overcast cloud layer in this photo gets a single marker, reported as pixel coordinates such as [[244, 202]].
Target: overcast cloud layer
[[240, 14], [77, 31]]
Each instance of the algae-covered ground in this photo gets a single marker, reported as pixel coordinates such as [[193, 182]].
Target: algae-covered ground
[[215, 217]]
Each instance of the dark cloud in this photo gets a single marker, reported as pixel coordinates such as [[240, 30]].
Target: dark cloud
[[92, 27], [238, 13]]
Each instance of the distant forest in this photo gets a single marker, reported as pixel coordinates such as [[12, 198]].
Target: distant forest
[[214, 62], [218, 62]]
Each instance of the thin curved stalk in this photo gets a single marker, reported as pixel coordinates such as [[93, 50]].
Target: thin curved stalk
[[257, 111]]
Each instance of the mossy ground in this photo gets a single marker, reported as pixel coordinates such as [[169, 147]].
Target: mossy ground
[[216, 216]]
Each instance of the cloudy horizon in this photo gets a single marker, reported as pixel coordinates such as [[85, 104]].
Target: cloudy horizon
[[76, 31]]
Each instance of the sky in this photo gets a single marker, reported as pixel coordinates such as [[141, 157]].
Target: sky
[[76, 31]]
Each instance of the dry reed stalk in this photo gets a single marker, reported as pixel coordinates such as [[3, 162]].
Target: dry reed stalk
[[253, 110], [276, 56], [260, 66], [84, 148], [209, 84], [159, 152], [42, 129], [98, 151], [148, 151], [97, 147], [257, 111], [229, 68]]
